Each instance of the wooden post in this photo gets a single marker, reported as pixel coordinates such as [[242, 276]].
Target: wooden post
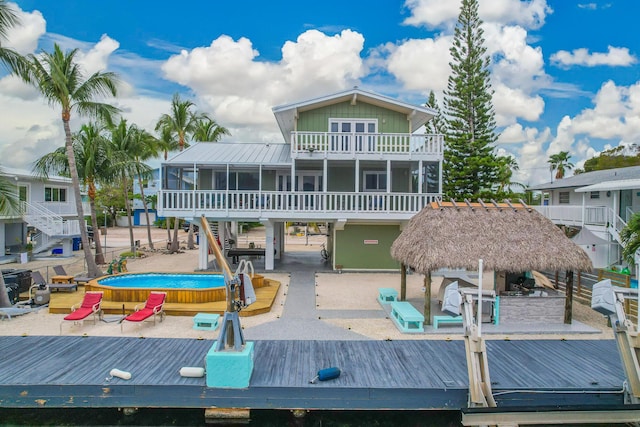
[[403, 282], [557, 279], [427, 298], [568, 301], [580, 283]]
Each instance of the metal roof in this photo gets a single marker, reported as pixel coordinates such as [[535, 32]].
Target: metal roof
[[236, 153], [623, 184], [26, 174], [287, 114], [591, 178]]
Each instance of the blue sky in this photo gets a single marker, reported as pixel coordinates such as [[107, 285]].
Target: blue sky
[[565, 73]]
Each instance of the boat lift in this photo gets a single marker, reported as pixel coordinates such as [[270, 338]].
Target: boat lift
[[609, 300], [482, 408]]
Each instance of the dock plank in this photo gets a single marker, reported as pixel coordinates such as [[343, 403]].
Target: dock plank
[[70, 371]]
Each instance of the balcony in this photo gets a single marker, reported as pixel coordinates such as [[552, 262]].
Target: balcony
[[292, 205], [367, 145]]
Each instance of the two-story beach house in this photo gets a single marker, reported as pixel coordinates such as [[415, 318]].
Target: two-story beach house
[[356, 161], [46, 219], [600, 203]]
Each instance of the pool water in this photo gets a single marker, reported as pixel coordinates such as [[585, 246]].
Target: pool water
[[164, 281]]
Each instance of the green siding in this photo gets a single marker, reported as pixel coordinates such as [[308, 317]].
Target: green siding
[[269, 180], [352, 253], [318, 120], [341, 179]]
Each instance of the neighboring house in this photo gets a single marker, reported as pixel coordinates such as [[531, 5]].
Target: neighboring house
[[600, 203], [356, 161], [47, 216], [151, 187]]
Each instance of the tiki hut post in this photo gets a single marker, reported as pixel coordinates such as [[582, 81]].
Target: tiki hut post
[[427, 298], [403, 282], [568, 301]]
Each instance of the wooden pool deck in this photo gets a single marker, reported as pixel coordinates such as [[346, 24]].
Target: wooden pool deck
[[61, 303], [68, 371]]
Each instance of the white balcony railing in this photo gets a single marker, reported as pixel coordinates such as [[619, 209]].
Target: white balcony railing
[[256, 202], [366, 143], [599, 216]]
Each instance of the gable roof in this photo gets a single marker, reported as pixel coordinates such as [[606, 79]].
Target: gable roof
[[286, 114], [237, 153], [590, 178], [507, 237]]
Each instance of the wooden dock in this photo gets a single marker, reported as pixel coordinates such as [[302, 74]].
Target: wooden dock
[[66, 371]]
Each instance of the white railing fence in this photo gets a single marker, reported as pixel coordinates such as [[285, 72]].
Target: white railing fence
[[293, 201], [366, 143]]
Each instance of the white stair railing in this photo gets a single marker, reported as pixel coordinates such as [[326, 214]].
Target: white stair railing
[[49, 222]]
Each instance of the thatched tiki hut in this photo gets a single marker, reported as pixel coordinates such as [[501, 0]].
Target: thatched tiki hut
[[508, 237]]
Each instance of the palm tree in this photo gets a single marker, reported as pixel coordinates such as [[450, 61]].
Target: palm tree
[[206, 130], [143, 146], [123, 148], [8, 19], [508, 164], [560, 163], [630, 236], [8, 204], [89, 146], [61, 82], [179, 126]]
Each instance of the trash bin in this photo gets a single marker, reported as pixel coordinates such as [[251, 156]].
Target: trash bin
[[76, 243]]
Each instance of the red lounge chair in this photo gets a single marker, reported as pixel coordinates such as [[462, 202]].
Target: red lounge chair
[[90, 305], [153, 307]]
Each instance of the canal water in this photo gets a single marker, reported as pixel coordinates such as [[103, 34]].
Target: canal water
[[195, 417]]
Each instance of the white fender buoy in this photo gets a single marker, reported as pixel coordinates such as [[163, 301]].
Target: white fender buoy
[[120, 374], [192, 372]]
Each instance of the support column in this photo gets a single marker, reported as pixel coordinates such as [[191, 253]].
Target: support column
[[203, 247], [278, 233], [268, 249], [420, 176], [357, 180]]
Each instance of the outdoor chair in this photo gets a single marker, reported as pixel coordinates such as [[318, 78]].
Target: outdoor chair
[[60, 272], [39, 280], [90, 305], [153, 307]]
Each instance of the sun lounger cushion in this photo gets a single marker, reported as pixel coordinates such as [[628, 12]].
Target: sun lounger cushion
[[153, 306], [90, 304]]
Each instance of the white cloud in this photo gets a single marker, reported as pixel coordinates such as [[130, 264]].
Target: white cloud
[[422, 64], [24, 37], [511, 104], [241, 89], [615, 57], [97, 57], [438, 13]]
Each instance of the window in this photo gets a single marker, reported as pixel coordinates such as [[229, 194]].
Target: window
[[53, 194], [563, 198], [375, 181], [595, 195]]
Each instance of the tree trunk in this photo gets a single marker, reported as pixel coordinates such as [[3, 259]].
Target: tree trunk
[[146, 213], [4, 294], [127, 207], [191, 244], [94, 223], [175, 245], [92, 267]]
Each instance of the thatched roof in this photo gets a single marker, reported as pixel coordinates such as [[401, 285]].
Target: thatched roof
[[507, 237]]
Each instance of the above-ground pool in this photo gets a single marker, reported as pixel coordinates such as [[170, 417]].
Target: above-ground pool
[[187, 288]]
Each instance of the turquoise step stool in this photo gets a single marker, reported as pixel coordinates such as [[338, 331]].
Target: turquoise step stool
[[387, 295], [206, 321]]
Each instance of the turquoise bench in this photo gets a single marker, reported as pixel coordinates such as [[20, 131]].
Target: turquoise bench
[[447, 320], [387, 295], [206, 321], [406, 317]]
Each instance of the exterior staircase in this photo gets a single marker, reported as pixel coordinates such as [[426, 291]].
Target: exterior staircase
[[52, 227]]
